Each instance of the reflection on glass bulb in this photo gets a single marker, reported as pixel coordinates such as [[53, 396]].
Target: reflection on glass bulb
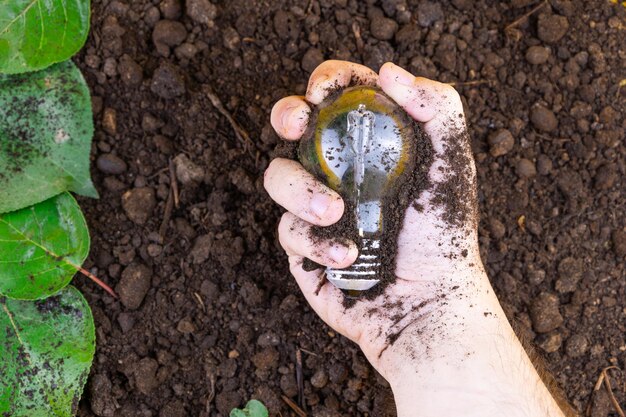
[[358, 144]]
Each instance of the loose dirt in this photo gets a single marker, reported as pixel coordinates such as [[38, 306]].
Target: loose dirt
[[210, 317]]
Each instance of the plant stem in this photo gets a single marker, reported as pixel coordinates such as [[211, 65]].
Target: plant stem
[[96, 280]]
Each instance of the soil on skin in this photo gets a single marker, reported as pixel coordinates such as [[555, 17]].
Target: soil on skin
[[209, 316]]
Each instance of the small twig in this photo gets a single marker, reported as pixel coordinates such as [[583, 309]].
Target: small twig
[[174, 183], [466, 83], [211, 395], [609, 389], [299, 379], [96, 280], [200, 301], [525, 16], [308, 351], [293, 406], [621, 84], [603, 379], [356, 30], [241, 134]]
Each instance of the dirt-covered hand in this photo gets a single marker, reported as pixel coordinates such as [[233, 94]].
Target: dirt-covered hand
[[437, 257]]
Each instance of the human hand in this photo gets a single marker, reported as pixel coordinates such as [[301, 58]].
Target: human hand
[[441, 308], [437, 246]]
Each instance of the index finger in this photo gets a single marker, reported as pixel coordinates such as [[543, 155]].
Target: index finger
[[332, 75]]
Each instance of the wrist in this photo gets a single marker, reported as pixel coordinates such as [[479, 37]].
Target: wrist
[[463, 358]]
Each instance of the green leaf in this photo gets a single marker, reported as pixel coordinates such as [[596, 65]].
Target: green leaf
[[254, 408], [45, 136], [41, 248], [35, 34], [46, 348]]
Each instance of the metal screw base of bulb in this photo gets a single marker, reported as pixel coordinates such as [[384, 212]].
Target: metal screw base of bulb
[[360, 276]]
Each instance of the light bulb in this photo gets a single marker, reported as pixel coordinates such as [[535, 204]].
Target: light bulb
[[358, 143]]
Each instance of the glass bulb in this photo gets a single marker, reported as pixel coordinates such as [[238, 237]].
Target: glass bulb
[[358, 143]]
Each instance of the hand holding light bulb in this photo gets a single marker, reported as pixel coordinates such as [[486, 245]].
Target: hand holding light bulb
[[439, 324]]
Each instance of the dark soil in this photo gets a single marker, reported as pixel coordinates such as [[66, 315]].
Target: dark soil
[[209, 316]]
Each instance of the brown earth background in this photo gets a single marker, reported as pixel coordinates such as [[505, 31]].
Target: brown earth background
[[209, 316]]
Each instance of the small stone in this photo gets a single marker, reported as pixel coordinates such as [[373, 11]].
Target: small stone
[[551, 28], [126, 321], [288, 385], [171, 9], [167, 81], [209, 290], [576, 346], [268, 339], [286, 25], [525, 168], [570, 272], [543, 119], [138, 204], [186, 326], [544, 164], [111, 164], [266, 359], [537, 55], [536, 276], [618, 238], [152, 16], [202, 11], [382, 27], [534, 227], [337, 373], [168, 33], [154, 250], [428, 13], [134, 285], [149, 123], [231, 38], [550, 342], [110, 67], [145, 375], [174, 408], [605, 177], [187, 172], [319, 379], [251, 294], [570, 183], [446, 51], [201, 249], [580, 109], [545, 314], [242, 181], [225, 401], [500, 142], [311, 59], [100, 399], [497, 229], [163, 144], [228, 251], [109, 121], [130, 71], [186, 51]]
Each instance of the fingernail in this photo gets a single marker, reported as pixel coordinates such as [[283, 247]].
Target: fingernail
[[284, 119], [402, 76], [338, 253], [320, 203]]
